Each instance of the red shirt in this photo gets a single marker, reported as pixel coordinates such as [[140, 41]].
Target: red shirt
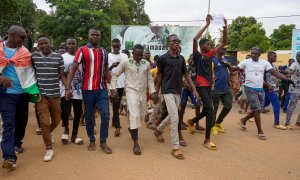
[[93, 62]]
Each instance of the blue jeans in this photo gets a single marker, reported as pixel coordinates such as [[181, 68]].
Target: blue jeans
[[272, 97], [99, 98], [186, 93], [12, 106]]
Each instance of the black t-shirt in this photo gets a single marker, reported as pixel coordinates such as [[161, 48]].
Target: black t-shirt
[[203, 65], [172, 69]]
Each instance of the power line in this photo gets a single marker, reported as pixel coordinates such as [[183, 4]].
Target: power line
[[263, 17]]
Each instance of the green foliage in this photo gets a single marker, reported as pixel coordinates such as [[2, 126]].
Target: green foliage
[[281, 38], [75, 17], [246, 32], [17, 12]]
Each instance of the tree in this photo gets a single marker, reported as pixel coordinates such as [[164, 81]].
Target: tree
[[281, 38], [75, 17], [17, 12], [246, 32]]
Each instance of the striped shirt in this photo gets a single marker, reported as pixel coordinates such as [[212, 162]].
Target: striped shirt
[[47, 73], [93, 62]]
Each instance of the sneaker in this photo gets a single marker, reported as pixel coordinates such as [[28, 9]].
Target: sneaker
[[38, 131], [221, 127], [9, 164], [52, 138], [214, 130], [19, 149], [49, 155]]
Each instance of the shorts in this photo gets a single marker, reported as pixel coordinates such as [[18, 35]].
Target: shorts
[[255, 98]]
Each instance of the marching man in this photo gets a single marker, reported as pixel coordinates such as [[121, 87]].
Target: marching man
[[138, 79]]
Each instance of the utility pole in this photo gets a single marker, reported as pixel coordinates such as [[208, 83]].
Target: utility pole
[[207, 31]]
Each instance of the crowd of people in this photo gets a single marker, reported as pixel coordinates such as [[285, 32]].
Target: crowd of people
[[89, 79]]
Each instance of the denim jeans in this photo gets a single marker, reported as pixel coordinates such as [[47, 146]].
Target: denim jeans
[[272, 97], [186, 93], [12, 106], [100, 99]]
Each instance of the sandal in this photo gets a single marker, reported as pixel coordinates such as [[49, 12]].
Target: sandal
[[159, 136], [281, 127], [65, 139], [243, 126], [261, 136], [137, 150], [177, 154], [210, 145], [182, 143], [191, 128], [77, 140]]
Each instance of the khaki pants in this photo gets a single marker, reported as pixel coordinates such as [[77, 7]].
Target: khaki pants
[[172, 103], [48, 107]]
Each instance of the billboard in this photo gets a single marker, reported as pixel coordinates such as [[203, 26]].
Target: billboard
[[154, 38], [295, 42]]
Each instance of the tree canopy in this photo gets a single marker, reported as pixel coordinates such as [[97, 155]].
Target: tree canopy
[[246, 32], [75, 17], [18, 12], [281, 38]]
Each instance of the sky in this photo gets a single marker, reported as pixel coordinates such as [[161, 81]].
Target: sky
[[186, 10]]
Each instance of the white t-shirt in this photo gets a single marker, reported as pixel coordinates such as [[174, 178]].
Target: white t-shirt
[[254, 72], [77, 79], [112, 58], [295, 68]]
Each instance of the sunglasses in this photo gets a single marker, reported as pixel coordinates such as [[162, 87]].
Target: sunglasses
[[176, 41]]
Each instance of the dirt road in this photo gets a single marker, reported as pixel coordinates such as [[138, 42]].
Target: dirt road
[[240, 155]]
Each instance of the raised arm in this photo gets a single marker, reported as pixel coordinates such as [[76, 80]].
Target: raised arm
[[199, 34]]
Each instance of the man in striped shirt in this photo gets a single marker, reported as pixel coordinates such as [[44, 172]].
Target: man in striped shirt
[[49, 68], [96, 74]]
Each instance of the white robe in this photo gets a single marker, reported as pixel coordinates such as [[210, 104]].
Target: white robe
[[138, 80]]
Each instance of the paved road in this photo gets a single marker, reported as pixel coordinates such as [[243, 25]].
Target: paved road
[[240, 155]]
